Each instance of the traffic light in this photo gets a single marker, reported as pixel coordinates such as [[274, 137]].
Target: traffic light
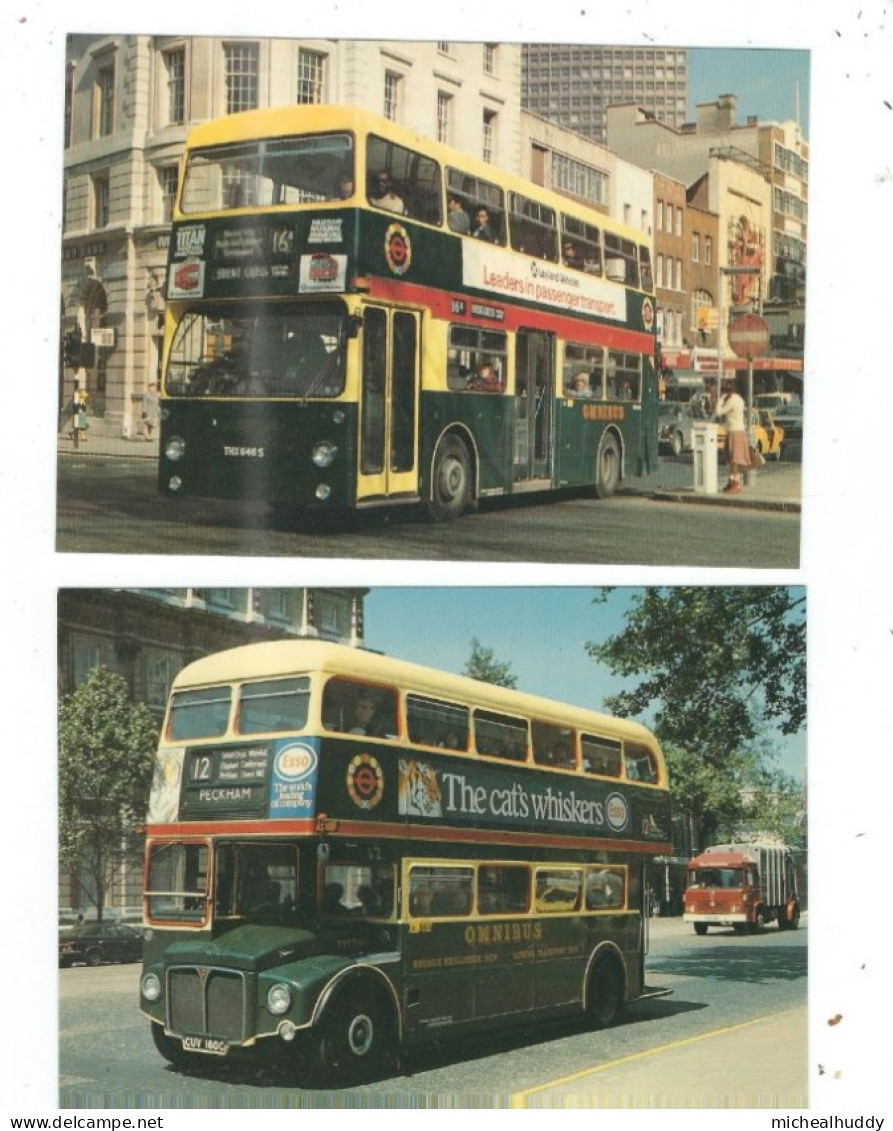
[[72, 347]]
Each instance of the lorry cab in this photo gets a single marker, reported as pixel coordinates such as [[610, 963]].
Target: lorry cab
[[743, 887]]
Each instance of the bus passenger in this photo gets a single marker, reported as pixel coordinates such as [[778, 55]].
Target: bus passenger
[[364, 710], [581, 387], [383, 195], [457, 217], [482, 229], [485, 379], [345, 184]]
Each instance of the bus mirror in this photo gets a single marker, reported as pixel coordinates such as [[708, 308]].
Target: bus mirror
[[354, 322]]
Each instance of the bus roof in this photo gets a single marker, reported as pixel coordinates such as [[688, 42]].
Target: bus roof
[[285, 121], [291, 657]]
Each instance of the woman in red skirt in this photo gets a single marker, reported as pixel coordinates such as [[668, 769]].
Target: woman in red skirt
[[731, 408]]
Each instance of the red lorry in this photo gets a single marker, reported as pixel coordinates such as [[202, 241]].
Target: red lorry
[[743, 886]]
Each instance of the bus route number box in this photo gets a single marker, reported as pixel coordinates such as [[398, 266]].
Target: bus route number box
[[705, 445]]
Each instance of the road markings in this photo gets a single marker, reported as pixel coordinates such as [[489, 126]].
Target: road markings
[[519, 1099]]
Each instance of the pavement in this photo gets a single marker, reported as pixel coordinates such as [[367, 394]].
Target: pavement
[[759, 1063], [776, 486]]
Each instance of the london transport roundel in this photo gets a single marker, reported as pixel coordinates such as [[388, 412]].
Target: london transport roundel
[[397, 249], [365, 781]]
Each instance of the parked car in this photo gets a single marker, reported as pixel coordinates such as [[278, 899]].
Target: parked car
[[94, 943], [675, 419], [790, 418], [765, 434]]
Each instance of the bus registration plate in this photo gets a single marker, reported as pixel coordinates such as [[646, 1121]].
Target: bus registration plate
[[205, 1044]]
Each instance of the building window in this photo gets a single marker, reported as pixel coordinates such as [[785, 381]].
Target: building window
[[392, 83], [669, 218], [175, 65], [241, 63], [167, 177], [578, 179], [160, 669], [660, 269], [331, 615], [444, 117], [104, 94], [101, 197], [86, 655], [489, 58], [489, 139], [708, 250], [679, 222], [660, 215], [311, 77], [695, 247]]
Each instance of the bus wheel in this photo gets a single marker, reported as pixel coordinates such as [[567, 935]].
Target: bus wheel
[[607, 467], [605, 1001], [358, 1034], [451, 480], [700, 928]]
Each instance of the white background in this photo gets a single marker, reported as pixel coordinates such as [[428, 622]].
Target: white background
[[846, 562]]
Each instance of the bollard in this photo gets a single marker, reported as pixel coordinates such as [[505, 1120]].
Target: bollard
[[705, 446]]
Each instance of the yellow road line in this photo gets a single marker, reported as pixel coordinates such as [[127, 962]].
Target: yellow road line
[[519, 1099]]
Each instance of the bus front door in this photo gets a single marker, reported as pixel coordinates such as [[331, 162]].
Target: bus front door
[[534, 401], [387, 464]]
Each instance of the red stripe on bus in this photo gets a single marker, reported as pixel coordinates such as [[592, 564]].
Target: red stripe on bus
[[440, 303], [391, 831]]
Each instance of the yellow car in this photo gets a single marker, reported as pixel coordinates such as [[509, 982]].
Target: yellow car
[[764, 434]]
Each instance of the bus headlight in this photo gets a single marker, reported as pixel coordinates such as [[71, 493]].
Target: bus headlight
[[175, 449], [150, 987], [324, 454], [279, 999]]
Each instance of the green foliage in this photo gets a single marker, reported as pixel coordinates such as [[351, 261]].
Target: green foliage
[[106, 754], [483, 665], [711, 668]]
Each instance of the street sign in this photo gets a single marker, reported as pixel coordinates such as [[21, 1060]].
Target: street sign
[[749, 336]]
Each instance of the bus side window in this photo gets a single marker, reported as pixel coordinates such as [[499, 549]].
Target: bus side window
[[601, 756], [553, 746], [359, 708], [640, 764]]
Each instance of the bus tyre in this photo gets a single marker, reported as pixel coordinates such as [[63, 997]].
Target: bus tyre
[[357, 1034], [604, 1004], [607, 467], [450, 480], [700, 928]]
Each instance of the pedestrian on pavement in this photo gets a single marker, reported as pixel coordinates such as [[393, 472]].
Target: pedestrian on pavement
[[151, 410], [731, 408]]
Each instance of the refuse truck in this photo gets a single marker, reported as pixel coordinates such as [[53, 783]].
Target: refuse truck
[[743, 886]]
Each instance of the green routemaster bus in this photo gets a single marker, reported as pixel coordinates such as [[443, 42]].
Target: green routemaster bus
[[331, 345], [347, 854]]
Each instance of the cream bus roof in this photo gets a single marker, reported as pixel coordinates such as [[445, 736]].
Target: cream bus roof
[[285, 121], [283, 658]]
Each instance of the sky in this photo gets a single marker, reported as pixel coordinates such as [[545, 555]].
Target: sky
[[540, 631], [763, 80]]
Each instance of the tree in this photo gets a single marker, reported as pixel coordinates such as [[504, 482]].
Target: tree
[[106, 755], [483, 665], [712, 667]]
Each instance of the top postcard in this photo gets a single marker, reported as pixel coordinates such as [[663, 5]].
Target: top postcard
[[512, 302]]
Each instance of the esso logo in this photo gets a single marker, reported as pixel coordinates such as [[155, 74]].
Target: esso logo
[[295, 762], [616, 812]]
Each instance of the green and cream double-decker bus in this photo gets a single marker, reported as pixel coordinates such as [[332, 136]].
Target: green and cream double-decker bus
[[358, 316], [348, 854]]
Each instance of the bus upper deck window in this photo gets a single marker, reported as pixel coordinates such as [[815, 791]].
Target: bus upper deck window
[[203, 713]]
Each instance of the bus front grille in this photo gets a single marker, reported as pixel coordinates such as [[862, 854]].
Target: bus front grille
[[206, 1001]]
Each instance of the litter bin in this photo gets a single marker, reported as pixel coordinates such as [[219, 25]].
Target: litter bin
[[705, 446]]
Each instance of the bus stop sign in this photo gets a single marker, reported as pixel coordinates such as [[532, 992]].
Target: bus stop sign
[[749, 336]]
